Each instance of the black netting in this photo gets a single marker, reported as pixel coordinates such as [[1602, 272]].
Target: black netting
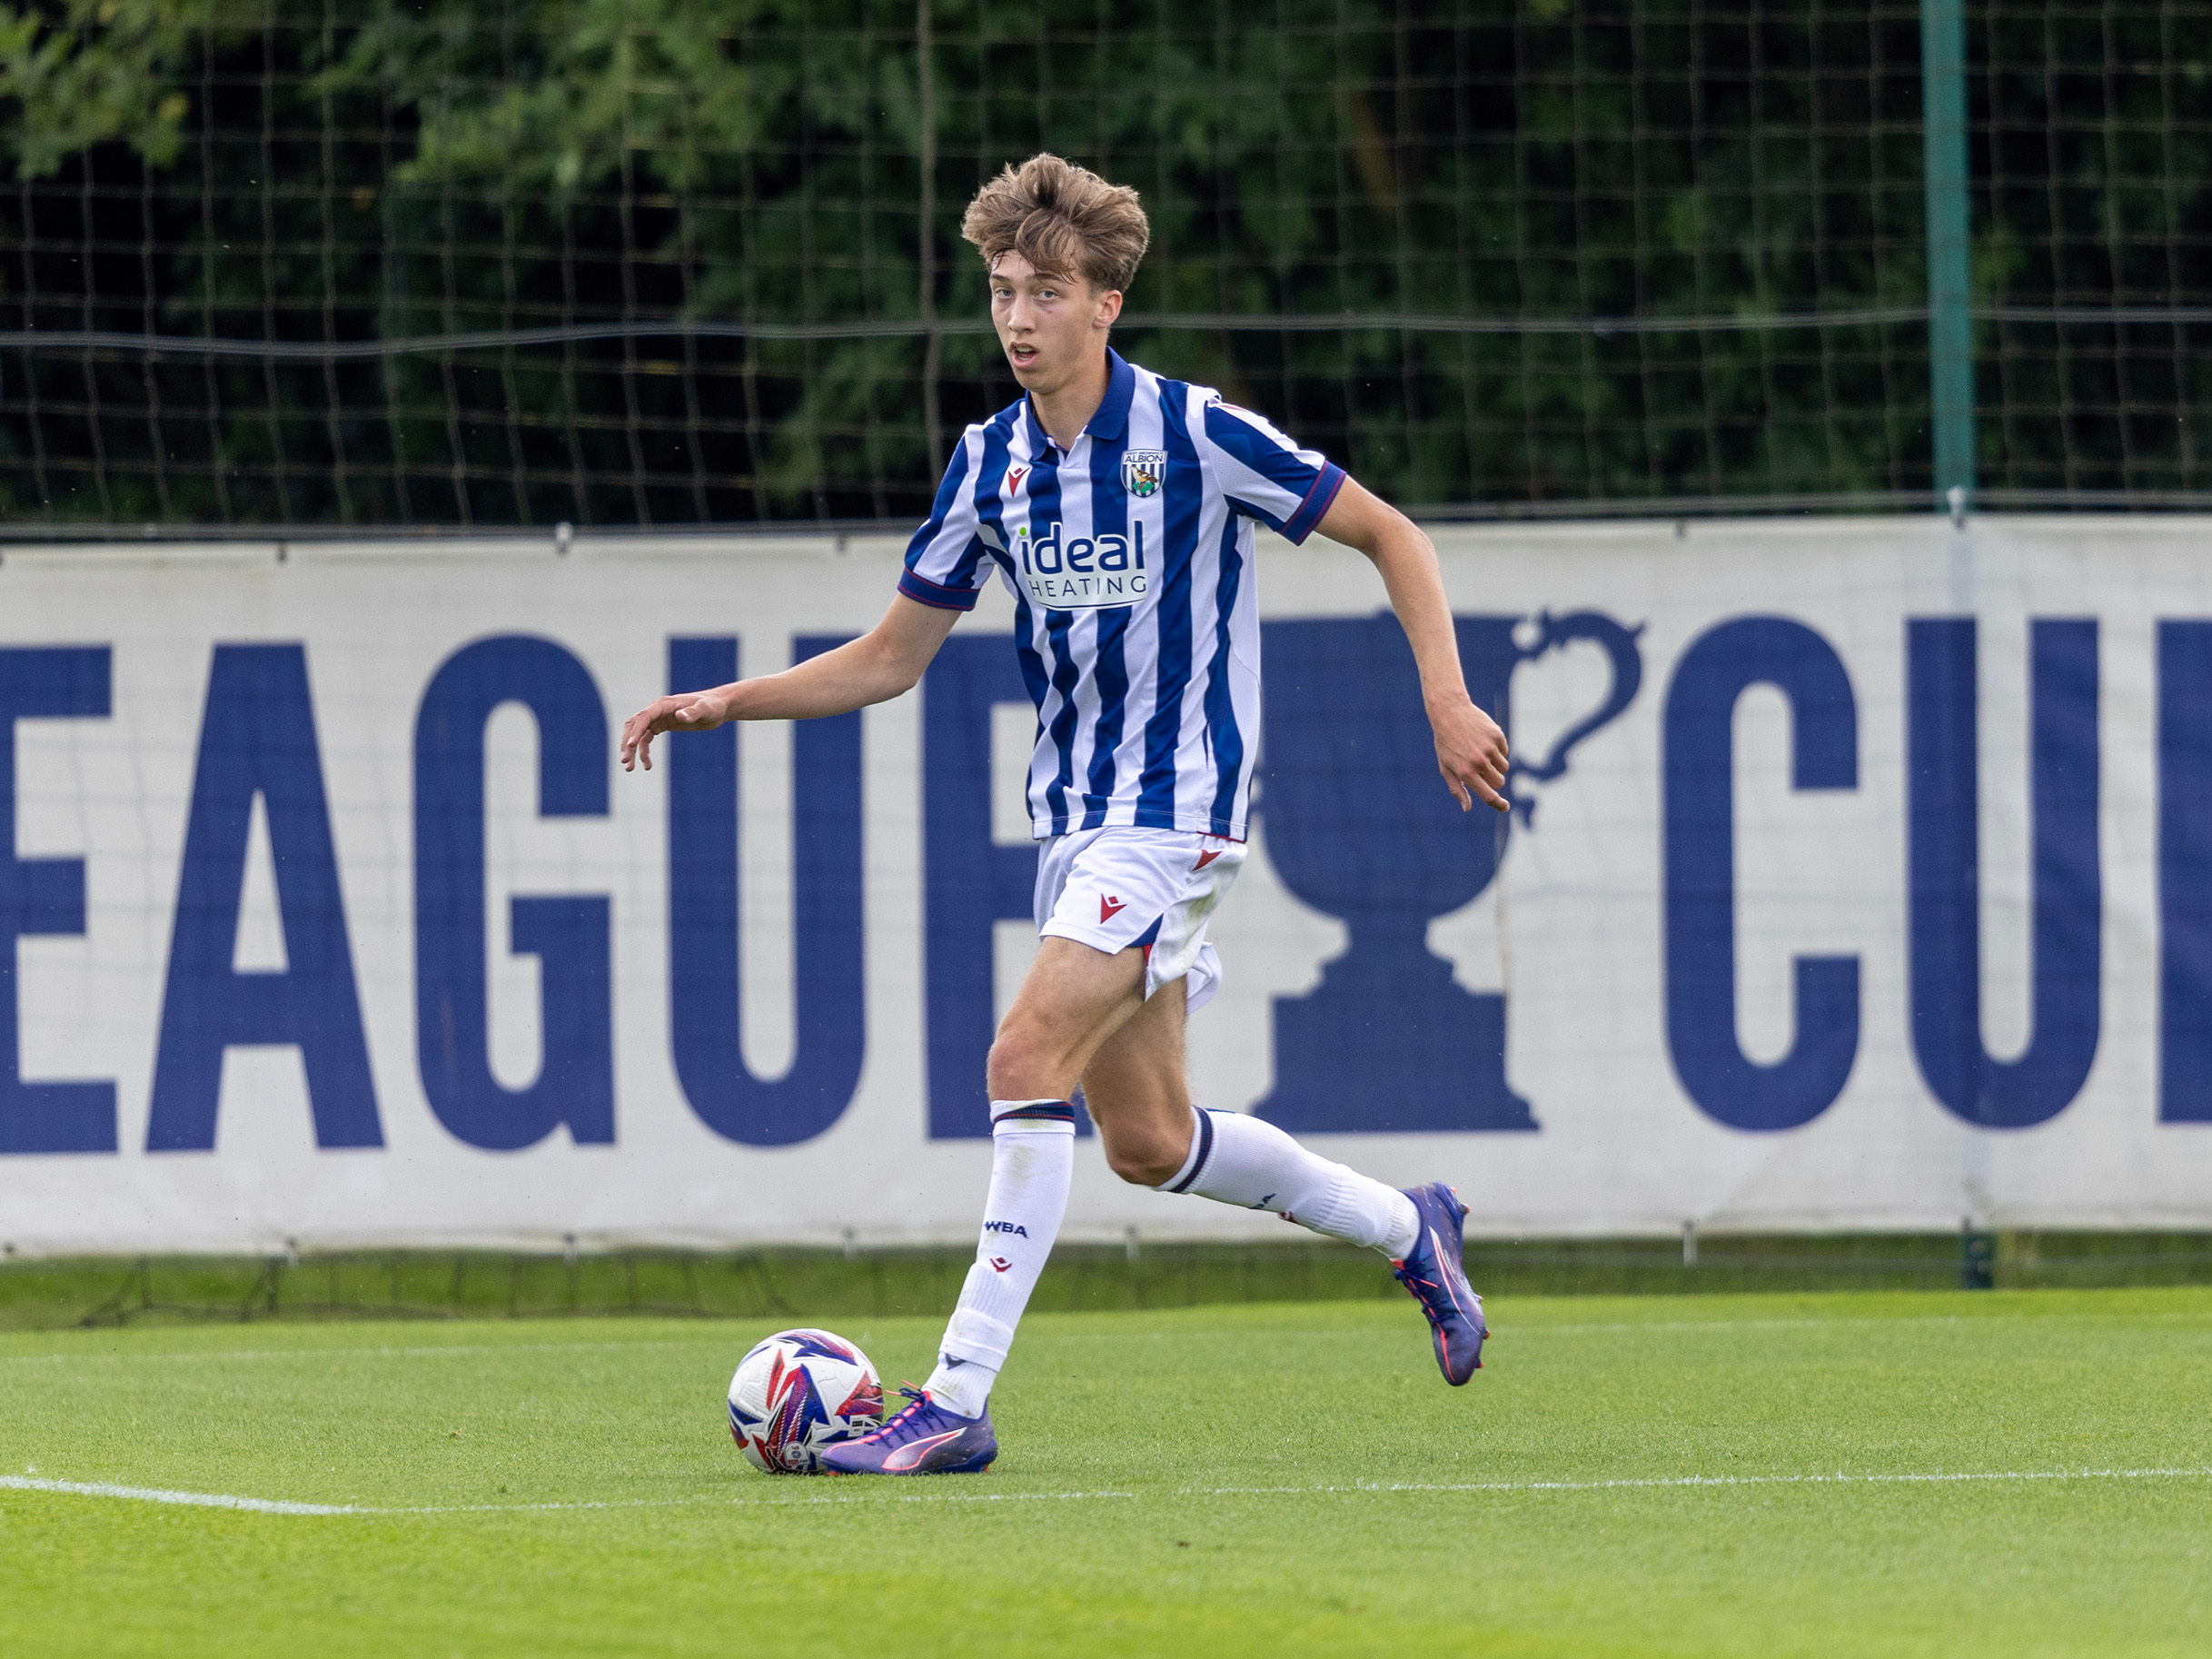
[[1614, 253]]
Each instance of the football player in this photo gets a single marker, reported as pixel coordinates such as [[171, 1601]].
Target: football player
[[1119, 507]]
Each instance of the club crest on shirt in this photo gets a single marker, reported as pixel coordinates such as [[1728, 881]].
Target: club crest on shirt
[[1143, 471]]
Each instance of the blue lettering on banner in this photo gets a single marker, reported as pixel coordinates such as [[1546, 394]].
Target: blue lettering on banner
[[969, 882], [257, 738], [1700, 872], [568, 935], [828, 986], [1944, 834], [2185, 872], [41, 898]]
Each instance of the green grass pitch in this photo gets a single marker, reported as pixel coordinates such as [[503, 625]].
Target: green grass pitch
[[2031, 1474]]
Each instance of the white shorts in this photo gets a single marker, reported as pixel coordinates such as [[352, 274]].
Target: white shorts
[[1153, 889]]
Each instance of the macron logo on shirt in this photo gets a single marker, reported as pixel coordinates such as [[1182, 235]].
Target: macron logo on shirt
[[1083, 572]]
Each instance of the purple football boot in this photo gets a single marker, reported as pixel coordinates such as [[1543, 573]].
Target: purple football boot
[[923, 1439], [1432, 1271]]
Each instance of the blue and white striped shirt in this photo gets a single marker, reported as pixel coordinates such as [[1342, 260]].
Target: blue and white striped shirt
[[1137, 617]]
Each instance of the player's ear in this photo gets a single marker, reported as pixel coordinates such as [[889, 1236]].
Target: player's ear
[[1109, 308]]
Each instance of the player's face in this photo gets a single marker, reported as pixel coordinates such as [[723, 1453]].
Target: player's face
[[1053, 327]]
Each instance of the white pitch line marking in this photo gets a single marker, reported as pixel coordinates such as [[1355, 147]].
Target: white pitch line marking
[[285, 1506], [157, 1495], [430, 1351]]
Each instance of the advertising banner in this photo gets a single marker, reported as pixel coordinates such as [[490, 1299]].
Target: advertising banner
[[1861, 876]]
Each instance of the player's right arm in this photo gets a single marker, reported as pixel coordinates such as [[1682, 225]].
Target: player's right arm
[[946, 565], [882, 663]]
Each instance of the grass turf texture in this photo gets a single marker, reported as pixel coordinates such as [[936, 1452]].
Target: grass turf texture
[[1247, 1446]]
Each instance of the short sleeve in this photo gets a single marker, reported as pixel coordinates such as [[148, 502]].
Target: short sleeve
[[1265, 476], [947, 561]]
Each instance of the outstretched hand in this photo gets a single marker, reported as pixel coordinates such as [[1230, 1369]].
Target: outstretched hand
[[686, 711], [1471, 753]]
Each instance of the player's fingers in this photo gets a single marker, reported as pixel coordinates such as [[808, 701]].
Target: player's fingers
[[1476, 786], [1489, 768], [1458, 793], [1491, 798]]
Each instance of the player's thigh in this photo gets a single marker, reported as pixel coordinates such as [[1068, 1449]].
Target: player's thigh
[[1135, 1085], [1072, 1000]]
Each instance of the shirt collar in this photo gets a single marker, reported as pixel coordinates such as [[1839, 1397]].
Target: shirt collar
[[1112, 418]]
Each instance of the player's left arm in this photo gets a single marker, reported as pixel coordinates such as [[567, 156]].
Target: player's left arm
[[1470, 747]]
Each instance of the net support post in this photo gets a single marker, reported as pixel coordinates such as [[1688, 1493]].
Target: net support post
[[933, 343], [1977, 1256], [1950, 324]]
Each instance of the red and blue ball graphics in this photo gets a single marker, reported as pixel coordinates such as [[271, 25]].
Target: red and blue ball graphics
[[797, 1392]]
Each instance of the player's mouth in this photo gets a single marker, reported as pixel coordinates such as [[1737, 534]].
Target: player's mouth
[[1022, 356]]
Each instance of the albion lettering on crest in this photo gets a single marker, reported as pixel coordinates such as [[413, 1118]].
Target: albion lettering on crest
[[1143, 471]]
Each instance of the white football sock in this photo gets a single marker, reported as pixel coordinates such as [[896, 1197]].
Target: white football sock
[[1236, 1158], [1033, 1160]]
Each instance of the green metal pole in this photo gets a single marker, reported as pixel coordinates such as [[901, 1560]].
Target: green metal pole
[[1950, 326]]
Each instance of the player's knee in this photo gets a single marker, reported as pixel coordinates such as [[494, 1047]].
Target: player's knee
[[1023, 1063], [1145, 1162]]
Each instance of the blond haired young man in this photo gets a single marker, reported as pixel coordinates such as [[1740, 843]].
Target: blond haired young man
[[1118, 507]]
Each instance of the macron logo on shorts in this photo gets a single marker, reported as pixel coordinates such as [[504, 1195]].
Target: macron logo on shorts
[[1205, 859], [1109, 908]]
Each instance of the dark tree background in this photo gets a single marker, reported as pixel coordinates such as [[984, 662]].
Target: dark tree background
[[1472, 184]]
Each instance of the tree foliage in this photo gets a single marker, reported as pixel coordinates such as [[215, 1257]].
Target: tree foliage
[[284, 169]]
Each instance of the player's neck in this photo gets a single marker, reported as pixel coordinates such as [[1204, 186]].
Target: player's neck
[[1068, 409]]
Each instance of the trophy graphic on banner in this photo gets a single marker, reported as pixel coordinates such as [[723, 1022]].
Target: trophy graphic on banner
[[1360, 824]]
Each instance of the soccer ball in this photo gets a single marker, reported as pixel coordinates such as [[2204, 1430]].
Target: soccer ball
[[797, 1392]]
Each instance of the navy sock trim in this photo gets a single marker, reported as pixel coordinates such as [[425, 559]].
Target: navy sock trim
[[1051, 1111], [1205, 1150]]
